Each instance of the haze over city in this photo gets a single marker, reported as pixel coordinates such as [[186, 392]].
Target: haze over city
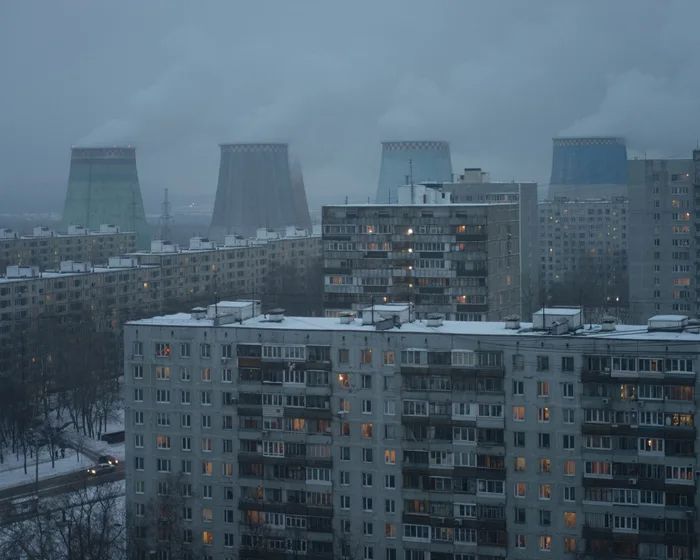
[[497, 80]]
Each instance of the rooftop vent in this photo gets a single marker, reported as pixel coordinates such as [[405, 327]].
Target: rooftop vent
[[198, 313], [512, 322], [609, 323], [225, 312], [434, 320], [346, 317], [16, 271], [667, 322], [545, 318], [276, 315]]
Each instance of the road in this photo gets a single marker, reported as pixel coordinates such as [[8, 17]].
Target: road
[[54, 486]]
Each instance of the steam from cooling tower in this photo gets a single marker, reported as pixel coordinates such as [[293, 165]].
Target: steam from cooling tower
[[103, 188], [257, 189], [418, 160]]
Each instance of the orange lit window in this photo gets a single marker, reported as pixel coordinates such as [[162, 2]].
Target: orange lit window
[[207, 537]]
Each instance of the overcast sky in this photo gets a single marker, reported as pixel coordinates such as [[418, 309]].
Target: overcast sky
[[334, 79]]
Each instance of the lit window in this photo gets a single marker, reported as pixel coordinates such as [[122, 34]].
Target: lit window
[[344, 380], [390, 456], [545, 491], [520, 463], [520, 489], [367, 430], [570, 468], [207, 538], [519, 413], [570, 519]]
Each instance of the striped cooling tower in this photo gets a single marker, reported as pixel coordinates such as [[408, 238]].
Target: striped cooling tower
[[589, 161], [256, 190], [103, 188], [426, 160]]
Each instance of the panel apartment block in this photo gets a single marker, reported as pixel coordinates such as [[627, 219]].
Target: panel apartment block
[[461, 260], [267, 437], [662, 249]]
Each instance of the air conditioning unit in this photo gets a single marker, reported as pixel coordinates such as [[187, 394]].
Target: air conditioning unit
[[606, 401], [632, 480]]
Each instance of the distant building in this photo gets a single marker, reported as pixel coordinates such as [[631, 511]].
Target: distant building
[[460, 260], [46, 248], [583, 250], [662, 244], [103, 188], [385, 437], [474, 186], [257, 188], [414, 161]]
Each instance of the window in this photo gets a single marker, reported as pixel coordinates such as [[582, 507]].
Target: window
[[390, 456], [206, 421], [366, 406], [137, 372], [185, 397], [567, 390], [389, 481], [185, 374], [344, 478], [138, 394], [568, 415], [205, 350], [367, 430], [542, 363], [518, 362], [162, 442], [570, 519], [389, 357], [545, 517], [367, 455], [518, 413], [162, 373], [545, 542], [366, 381], [163, 350], [344, 380], [543, 414], [185, 350], [366, 356], [138, 440], [343, 356], [206, 374], [520, 490], [520, 464], [520, 516], [367, 528], [570, 468], [543, 389], [137, 348], [545, 465], [227, 375], [568, 441], [519, 439], [186, 443], [344, 502], [543, 440], [567, 363], [569, 493], [162, 396], [569, 544], [344, 453], [518, 388], [389, 408]]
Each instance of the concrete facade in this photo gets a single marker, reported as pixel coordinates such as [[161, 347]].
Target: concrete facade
[[461, 260], [46, 248], [525, 194], [662, 248], [338, 438]]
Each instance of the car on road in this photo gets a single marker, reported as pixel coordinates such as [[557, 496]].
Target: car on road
[[107, 460], [105, 464]]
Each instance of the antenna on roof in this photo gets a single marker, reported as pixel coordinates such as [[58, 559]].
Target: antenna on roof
[[165, 218]]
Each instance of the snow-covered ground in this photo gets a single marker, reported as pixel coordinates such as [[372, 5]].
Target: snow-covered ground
[[12, 470]]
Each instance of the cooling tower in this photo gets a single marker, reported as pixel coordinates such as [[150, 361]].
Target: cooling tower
[[589, 161], [103, 188], [425, 160], [256, 190], [299, 203]]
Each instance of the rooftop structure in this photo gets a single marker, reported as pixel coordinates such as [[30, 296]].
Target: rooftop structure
[[103, 188], [415, 161]]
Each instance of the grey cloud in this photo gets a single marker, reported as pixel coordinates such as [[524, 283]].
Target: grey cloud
[[497, 80]]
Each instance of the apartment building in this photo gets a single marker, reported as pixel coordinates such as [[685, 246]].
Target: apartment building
[[474, 185], [583, 244], [239, 267], [662, 249], [46, 248], [461, 260], [254, 436], [76, 292]]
